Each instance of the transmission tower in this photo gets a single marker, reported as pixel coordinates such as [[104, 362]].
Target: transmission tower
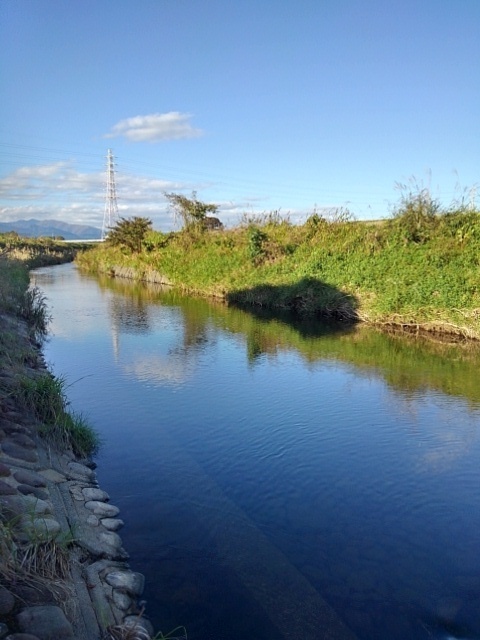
[[110, 215]]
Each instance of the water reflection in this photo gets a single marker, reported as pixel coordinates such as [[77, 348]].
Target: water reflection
[[409, 364], [129, 315], [266, 461]]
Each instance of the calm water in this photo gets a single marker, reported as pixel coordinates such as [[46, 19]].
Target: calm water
[[278, 479]]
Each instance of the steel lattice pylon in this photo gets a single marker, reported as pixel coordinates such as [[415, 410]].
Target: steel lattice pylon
[[110, 215]]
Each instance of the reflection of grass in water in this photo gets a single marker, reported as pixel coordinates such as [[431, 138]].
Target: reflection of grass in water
[[407, 363]]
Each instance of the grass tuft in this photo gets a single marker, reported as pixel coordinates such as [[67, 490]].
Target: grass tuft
[[37, 562], [45, 396], [35, 311]]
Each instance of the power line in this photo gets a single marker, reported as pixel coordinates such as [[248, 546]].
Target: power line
[[182, 174]]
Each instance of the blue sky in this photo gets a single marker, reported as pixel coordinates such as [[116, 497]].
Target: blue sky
[[258, 105]]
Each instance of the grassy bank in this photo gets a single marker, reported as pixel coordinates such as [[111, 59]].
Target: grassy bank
[[417, 270], [29, 391], [37, 252], [26, 385]]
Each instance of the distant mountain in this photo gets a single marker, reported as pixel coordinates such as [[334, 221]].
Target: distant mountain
[[51, 228]]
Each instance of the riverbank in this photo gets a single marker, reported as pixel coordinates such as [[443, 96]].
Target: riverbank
[[416, 272], [64, 572]]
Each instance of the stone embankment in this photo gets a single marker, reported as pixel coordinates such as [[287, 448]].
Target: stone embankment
[[65, 572]]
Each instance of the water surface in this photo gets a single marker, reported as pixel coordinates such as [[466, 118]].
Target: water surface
[[277, 478]]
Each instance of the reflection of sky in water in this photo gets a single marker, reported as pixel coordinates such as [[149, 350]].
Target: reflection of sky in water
[[157, 370], [75, 311], [369, 490]]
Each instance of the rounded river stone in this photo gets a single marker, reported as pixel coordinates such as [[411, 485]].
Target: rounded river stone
[[30, 477], [23, 440], [35, 491], [112, 524], [111, 539], [7, 601], [19, 453], [49, 622], [102, 508], [44, 529], [6, 489], [80, 471], [92, 493], [131, 581], [121, 600], [25, 505], [4, 470]]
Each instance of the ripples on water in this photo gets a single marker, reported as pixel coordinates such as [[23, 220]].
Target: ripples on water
[[277, 479]]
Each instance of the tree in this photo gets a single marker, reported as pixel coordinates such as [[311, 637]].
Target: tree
[[129, 233], [192, 211]]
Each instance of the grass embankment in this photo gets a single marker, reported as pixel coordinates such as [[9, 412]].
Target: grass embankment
[[417, 270], [24, 318], [37, 252]]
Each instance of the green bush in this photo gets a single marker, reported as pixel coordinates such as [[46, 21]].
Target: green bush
[[256, 244], [129, 233]]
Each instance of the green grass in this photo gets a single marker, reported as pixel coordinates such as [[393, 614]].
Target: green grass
[[419, 268], [45, 396], [34, 309]]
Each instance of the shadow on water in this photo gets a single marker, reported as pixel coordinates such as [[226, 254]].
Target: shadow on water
[[407, 363], [308, 297]]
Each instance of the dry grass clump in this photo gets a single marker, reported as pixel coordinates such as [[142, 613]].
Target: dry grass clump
[[135, 630], [38, 563]]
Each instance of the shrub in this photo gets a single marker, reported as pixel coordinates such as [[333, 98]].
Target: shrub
[[129, 233], [256, 244]]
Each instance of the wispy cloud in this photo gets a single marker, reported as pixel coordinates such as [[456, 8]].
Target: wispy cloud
[[155, 127]]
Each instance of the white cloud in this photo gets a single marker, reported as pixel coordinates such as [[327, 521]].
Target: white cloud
[[155, 127], [58, 191]]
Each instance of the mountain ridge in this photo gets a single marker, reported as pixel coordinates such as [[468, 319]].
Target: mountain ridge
[[34, 228]]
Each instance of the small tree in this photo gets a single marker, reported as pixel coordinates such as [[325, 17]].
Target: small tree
[[191, 210], [130, 233]]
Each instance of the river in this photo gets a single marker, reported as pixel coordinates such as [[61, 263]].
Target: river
[[278, 478]]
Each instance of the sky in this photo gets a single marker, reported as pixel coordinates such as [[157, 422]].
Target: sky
[[256, 105]]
